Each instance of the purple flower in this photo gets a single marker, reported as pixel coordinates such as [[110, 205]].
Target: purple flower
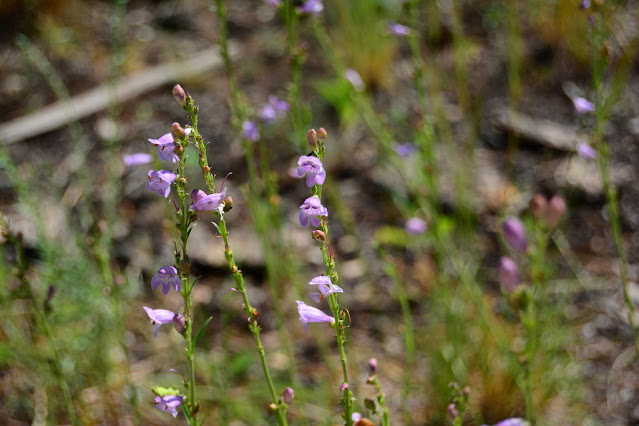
[[168, 277], [288, 395], [312, 7], [159, 317], [273, 109], [355, 79], [513, 422], [166, 148], [398, 30], [160, 182], [325, 287], [311, 314], [403, 149], [309, 211], [583, 106], [274, 3], [138, 159], [415, 226], [515, 234], [169, 403], [508, 274], [312, 167], [250, 131], [586, 151], [210, 202]]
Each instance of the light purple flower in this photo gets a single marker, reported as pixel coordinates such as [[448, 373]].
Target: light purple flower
[[210, 202], [138, 159], [309, 211], [313, 168], [160, 182], [356, 417], [250, 131], [273, 109], [508, 274], [167, 277], [166, 147], [586, 151], [159, 317], [169, 403], [325, 287], [288, 395], [415, 226], [515, 234], [274, 3], [312, 7], [398, 30], [582, 105], [311, 314], [355, 79], [404, 149], [512, 422]]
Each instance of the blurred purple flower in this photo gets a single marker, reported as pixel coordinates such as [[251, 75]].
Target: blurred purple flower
[[585, 4], [309, 211], [586, 151], [515, 234], [274, 3], [312, 7], [356, 417], [355, 79], [325, 287], [312, 167], [415, 226], [288, 395], [250, 131], [508, 274], [404, 149], [273, 109], [160, 182], [159, 317], [166, 147], [167, 277], [582, 105], [398, 30], [169, 403], [311, 314], [210, 202], [512, 422], [138, 159]]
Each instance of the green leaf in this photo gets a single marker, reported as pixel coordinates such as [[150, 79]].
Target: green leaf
[[197, 335]]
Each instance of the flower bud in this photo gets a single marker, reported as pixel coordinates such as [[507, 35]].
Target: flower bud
[[343, 387], [452, 412], [179, 323], [515, 234], [538, 206], [321, 134], [179, 95], [311, 138], [272, 406], [288, 395], [318, 235], [177, 131], [556, 210], [206, 170], [508, 274], [228, 203], [372, 365]]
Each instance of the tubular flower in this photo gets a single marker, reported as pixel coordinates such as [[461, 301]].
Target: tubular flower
[[138, 159], [168, 277], [313, 168], [325, 287], [309, 211], [515, 234], [508, 274], [169, 403], [210, 202], [159, 317], [311, 314], [160, 182]]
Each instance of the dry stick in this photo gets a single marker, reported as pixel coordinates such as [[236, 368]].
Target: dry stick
[[60, 113]]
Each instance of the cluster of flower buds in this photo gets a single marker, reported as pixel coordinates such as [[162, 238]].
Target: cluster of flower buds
[[548, 212]]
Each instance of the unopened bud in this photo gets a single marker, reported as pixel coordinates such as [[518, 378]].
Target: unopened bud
[[177, 131], [515, 234], [452, 412], [179, 150], [372, 365], [556, 210], [343, 387], [228, 203], [179, 95], [206, 170], [508, 274], [321, 133], [272, 406], [255, 313], [311, 138], [288, 395], [538, 206], [318, 235], [179, 323]]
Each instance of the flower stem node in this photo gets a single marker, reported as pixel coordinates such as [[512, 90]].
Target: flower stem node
[[206, 170], [255, 313]]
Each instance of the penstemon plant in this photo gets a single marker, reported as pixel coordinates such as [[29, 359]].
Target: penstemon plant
[[171, 148]]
